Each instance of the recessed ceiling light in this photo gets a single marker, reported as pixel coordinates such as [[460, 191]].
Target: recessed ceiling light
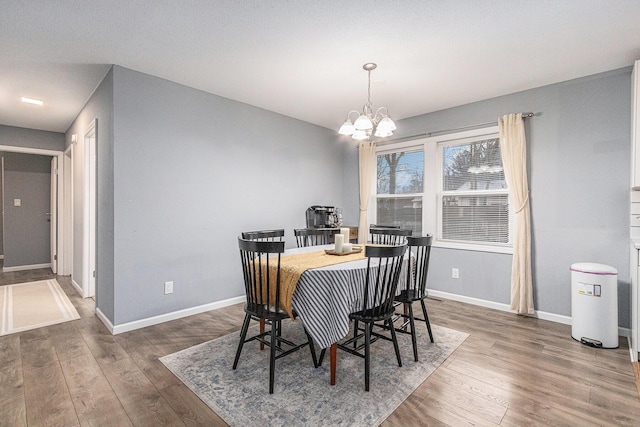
[[32, 101]]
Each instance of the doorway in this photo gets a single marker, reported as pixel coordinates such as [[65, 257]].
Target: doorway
[[55, 223], [80, 183]]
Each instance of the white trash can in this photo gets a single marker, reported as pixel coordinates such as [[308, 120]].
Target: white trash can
[[594, 304]]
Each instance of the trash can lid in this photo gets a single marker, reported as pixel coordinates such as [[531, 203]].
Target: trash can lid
[[593, 268]]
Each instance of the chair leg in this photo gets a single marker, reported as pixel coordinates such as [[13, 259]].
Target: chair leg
[[321, 358], [426, 319], [272, 355], [406, 313], [395, 342], [414, 341], [243, 336], [262, 332], [355, 333], [367, 355], [313, 349]]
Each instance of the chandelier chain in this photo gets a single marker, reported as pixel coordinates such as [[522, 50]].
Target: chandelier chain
[[369, 91]]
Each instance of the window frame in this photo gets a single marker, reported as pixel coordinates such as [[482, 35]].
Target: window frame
[[432, 187]]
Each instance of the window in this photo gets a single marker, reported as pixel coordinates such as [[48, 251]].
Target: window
[[451, 186], [473, 197], [400, 177]]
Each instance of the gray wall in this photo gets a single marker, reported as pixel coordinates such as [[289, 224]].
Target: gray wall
[[27, 232], [579, 148], [186, 172], [100, 108], [31, 138]]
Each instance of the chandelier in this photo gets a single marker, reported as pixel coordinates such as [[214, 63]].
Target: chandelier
[[367, 123]]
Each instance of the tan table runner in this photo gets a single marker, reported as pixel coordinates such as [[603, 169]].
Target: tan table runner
[[292, 267]]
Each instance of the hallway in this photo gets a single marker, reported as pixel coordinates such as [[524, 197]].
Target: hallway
[[13, 277]]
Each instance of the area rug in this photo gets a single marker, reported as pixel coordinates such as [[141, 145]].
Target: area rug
[[303, 395], [34, 305]]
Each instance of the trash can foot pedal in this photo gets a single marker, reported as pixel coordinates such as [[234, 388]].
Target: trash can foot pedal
[[591, 342]]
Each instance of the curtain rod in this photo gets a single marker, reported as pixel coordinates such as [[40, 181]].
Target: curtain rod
[[439, 132]]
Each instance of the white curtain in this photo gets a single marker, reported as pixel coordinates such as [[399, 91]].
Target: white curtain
[[367, 162], [513, 147]]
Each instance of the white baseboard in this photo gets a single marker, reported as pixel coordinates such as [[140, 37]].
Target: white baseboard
[[77, 286], [552, 317], [150, 321], [26, 267], [104, 320]]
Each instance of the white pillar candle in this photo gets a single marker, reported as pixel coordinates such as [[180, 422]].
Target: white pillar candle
[[347, 247], [345, 232], [339, 242]]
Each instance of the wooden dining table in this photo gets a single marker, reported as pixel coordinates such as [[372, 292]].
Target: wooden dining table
[[325, 296]]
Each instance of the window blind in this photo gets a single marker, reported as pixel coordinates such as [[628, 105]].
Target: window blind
[[474, 201]]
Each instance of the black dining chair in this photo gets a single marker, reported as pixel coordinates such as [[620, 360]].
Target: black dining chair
[[415, 289], [264, 235], [383, 226], [315, 236], [389, 236], [375, 304], [261, 273]]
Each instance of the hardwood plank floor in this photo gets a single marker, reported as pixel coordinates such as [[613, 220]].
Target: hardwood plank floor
[[511, 371]]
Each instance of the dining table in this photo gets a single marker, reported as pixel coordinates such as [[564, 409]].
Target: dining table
[[325, 296]]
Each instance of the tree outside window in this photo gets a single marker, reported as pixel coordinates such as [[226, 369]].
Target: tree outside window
[[400, 177]]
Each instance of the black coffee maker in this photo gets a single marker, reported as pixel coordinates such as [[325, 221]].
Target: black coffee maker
[[322, 217]]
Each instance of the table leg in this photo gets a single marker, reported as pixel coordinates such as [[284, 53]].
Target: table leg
[[333, 352], [262, 332]]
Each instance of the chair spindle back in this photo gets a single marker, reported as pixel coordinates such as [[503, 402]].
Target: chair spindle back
[[261, 273], [417, 280], [389, 236], [381, 282], [314, 236]]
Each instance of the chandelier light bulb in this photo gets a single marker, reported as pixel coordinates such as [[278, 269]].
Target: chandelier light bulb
[[381, 133], [359, 135], [387, 124], [347, 128], [363, 123]]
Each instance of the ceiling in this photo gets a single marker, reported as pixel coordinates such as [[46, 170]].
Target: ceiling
[[304, 58]]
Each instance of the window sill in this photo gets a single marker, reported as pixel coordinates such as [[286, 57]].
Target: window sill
[[472, 247]]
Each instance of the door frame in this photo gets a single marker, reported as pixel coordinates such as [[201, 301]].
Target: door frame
[[60, 215], [53, 214], [89, 140], [67, 211]]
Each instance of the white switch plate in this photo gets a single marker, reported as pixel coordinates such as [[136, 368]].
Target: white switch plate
[[455, 273], [17, 202], [168, 288]]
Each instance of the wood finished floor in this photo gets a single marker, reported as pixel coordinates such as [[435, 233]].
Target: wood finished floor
[[511, 371]]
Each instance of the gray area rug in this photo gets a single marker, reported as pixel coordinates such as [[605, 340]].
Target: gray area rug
[[302, 394]]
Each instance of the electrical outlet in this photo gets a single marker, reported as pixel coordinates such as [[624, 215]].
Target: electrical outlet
[[168, 288], [455, 273]]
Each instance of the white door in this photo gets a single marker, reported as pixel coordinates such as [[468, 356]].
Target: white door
[[53, 217]]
